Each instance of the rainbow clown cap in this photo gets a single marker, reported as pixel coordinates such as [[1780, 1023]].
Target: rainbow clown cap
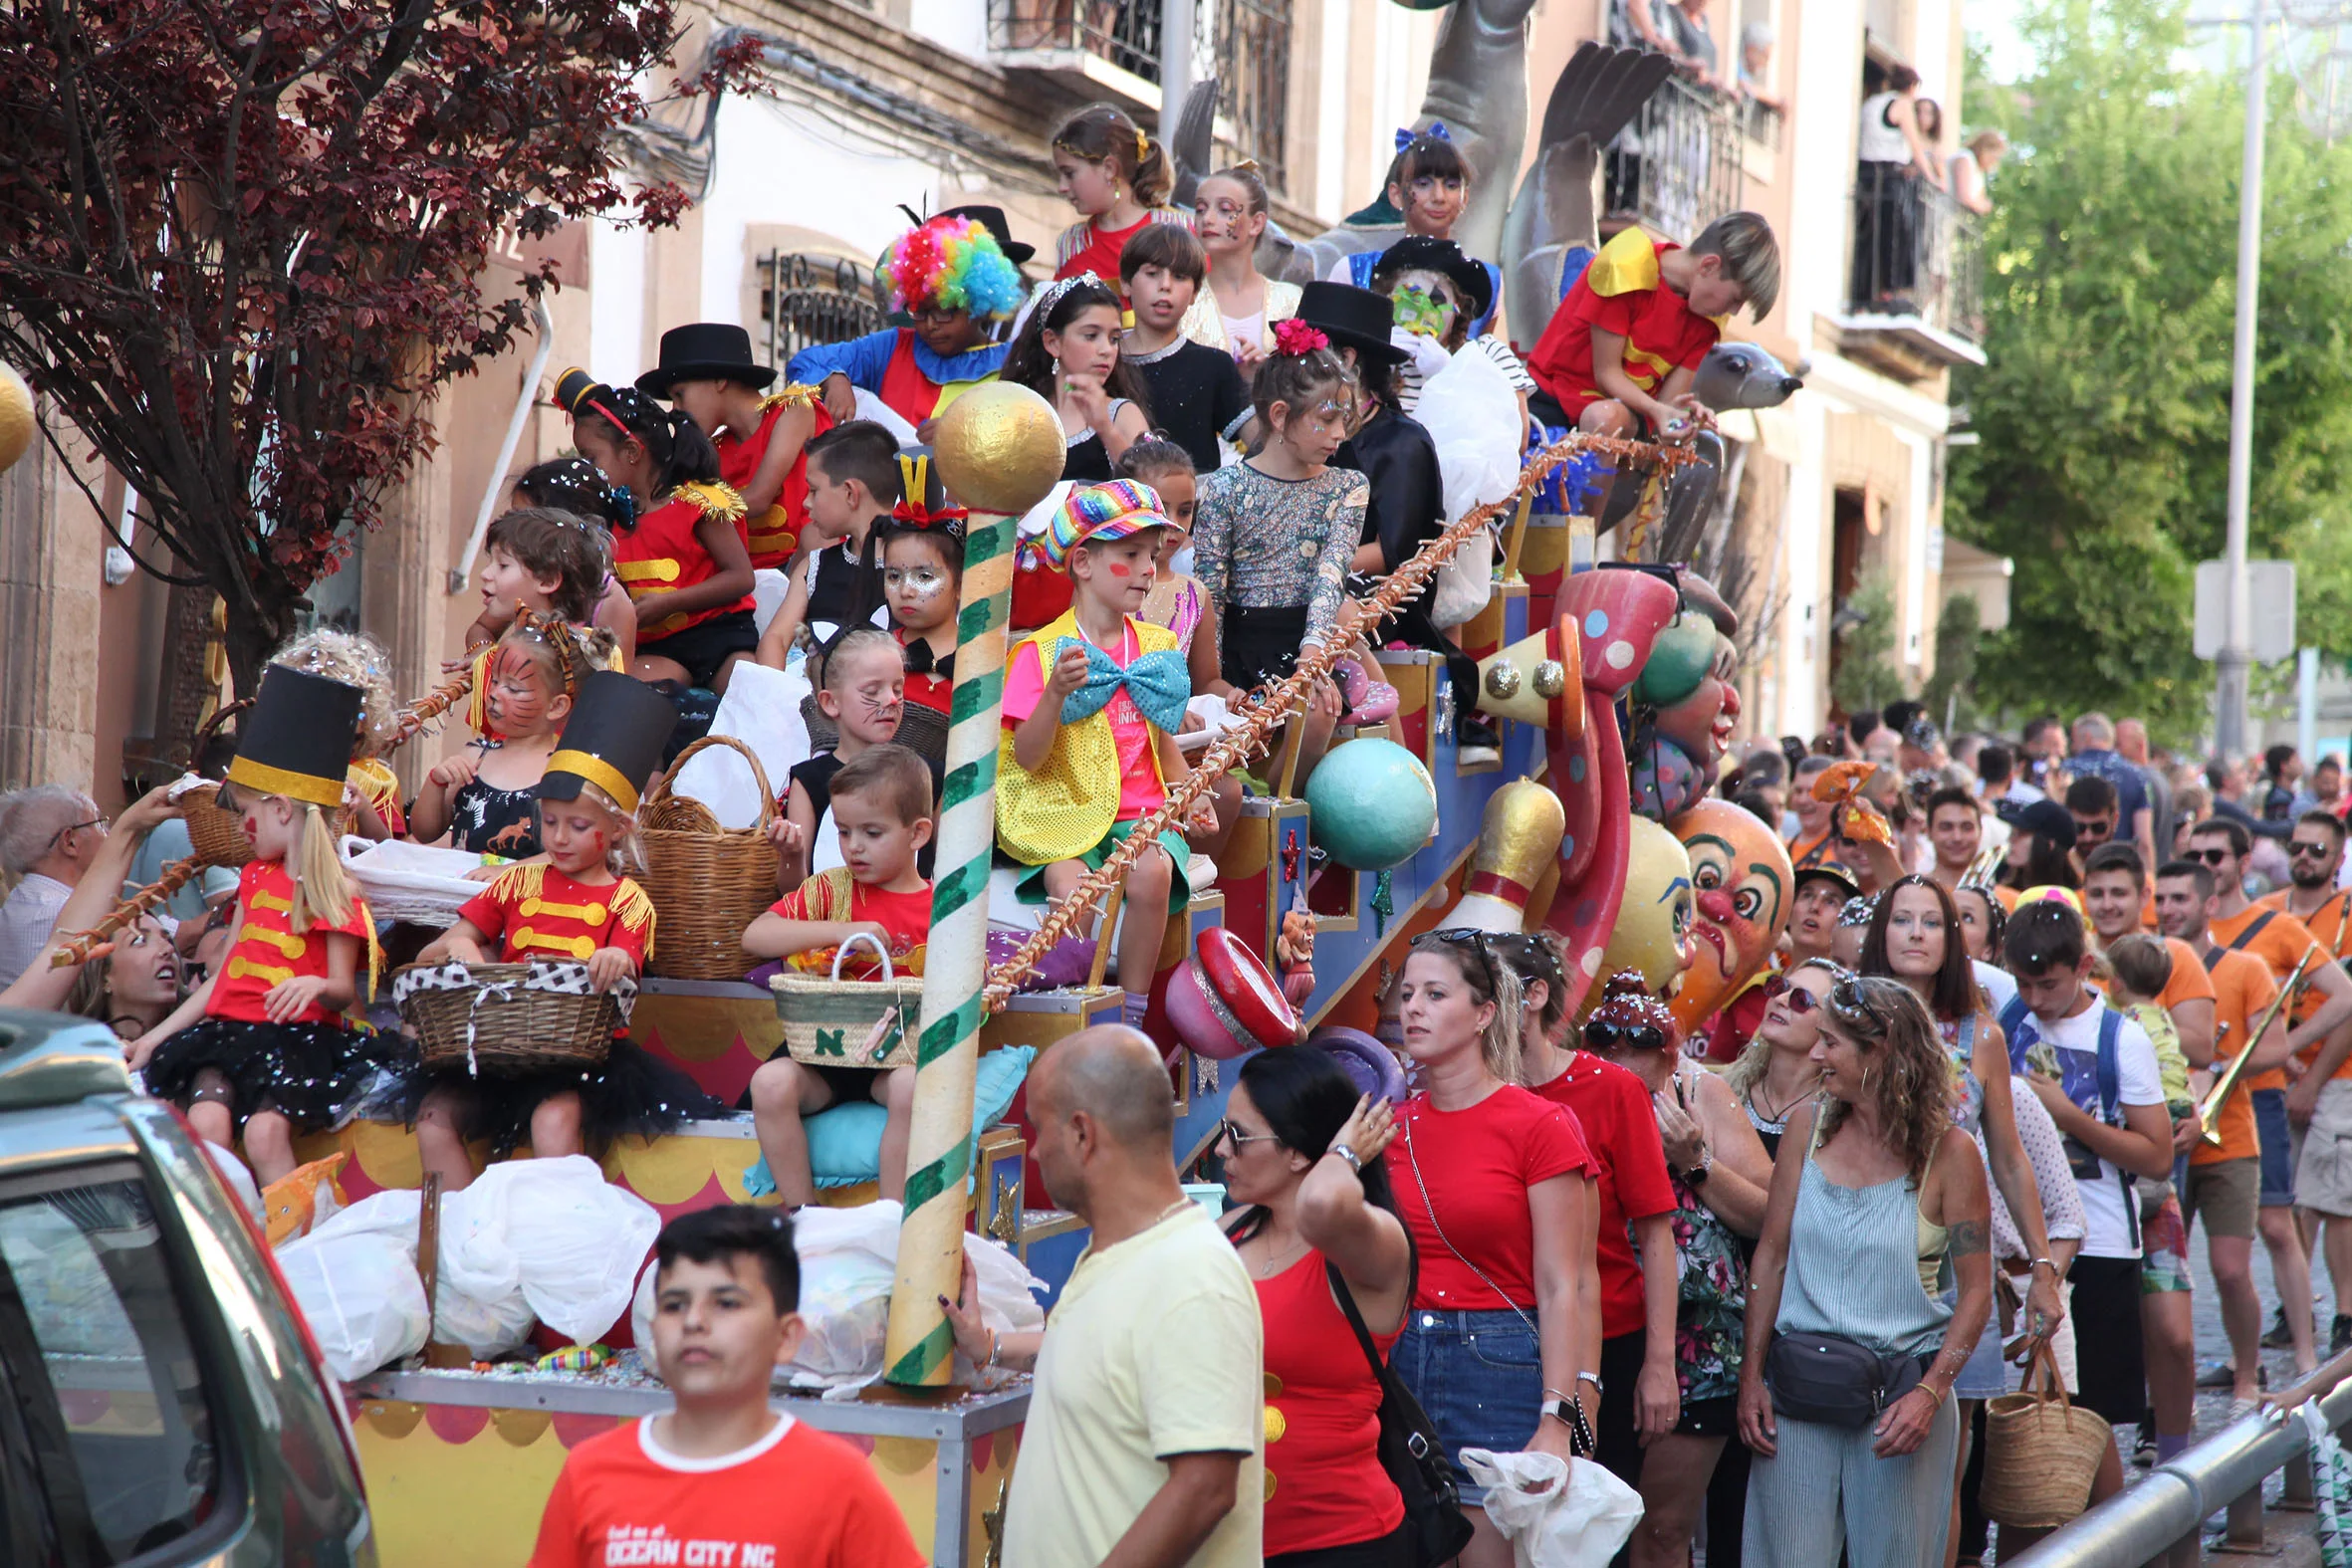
[[1098, 514]]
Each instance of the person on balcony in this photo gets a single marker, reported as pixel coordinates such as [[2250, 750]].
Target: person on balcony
[[1891, 151], [1755, 67], [1695, 42], [1624, 349], [1971, 169]]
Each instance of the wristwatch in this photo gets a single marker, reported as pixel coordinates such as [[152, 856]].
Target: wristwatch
[[1354, 1161], [1696, 1176]]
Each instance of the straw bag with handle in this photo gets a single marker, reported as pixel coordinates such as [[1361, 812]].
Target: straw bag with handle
[[2041, 1452], [708, 883], [500, 1020], [827, 1021]]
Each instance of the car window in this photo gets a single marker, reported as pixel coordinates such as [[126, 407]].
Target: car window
[[101, 1368]]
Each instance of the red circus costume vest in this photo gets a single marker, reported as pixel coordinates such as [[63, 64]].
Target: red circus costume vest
[[771, 535], [661, 553]]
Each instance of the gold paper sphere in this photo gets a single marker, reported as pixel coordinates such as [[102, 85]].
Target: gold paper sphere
[[16, 417], [1000, 448]]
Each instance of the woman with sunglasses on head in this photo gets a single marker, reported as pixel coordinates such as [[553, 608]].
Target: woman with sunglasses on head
[[135, 985], [1876, 1199], [1319, 1235], [1634, 1289], [1491, 1182], [1720, 1175], [1913, 939]]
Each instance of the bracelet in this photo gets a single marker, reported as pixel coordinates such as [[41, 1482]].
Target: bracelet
[[2043, 1263], [995, 1342], [1931, 1392], [1593, 1378]]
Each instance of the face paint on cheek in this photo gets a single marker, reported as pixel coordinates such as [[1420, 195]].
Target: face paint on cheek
[[1117, 568]]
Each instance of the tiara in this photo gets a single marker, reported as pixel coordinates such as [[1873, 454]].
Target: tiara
[[1050, 293]]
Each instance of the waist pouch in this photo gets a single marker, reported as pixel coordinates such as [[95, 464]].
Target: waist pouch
[[1834, 1381]]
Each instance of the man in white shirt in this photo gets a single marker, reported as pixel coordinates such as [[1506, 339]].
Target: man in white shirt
[[2107, 1100], [47, 835], [1146, 1424]]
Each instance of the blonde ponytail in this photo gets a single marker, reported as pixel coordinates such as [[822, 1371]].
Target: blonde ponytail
[[320, 889]]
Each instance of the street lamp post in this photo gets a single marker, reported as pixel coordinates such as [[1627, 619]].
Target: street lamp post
[[2234, 662]]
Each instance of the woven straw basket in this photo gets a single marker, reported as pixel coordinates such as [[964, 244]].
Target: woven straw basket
[[708, 883], [2041, 1452], [825, 1021], [515, 1030], [214, 833]]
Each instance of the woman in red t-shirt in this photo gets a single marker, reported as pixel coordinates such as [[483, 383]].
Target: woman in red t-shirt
[[1491, 1183], [1119, 178], [1302, 1151], [1633, 1379]]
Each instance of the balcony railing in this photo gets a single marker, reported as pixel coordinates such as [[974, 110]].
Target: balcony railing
[[808, 299], [1762, 122], [1250, 41], [1677, 166], [1918, 261]]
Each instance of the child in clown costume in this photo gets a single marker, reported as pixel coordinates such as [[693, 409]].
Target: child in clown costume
[[1092, 702], [952, 276]]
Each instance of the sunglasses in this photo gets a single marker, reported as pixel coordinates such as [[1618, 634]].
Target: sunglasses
[[1850, 996], [1642, 1037], [2299, 849], [2212, 857], [1479, 942], [1799, 1001], [1227, 1132]]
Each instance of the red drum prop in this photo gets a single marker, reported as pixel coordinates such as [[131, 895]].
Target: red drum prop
[[1223, 1001]]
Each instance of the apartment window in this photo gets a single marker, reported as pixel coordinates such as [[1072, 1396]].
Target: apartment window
[[1253, 44]]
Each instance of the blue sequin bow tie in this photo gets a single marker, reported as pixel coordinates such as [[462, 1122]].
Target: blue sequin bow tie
[[1160, 683]]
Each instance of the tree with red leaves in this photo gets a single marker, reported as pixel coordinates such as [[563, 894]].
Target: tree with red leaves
[[243, 242]]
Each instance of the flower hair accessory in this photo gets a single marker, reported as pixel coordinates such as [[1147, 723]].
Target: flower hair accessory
[[1142, 145], [1437, 131], [1293, 337]]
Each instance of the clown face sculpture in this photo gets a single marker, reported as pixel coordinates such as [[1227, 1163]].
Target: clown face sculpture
[[1740, 877], [1685, 709], [1653, 932]]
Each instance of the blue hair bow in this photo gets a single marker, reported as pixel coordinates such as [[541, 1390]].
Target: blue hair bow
[[1160, 683], [1436, 132]]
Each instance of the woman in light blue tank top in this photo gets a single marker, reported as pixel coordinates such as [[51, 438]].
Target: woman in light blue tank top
[[1876, 1199]]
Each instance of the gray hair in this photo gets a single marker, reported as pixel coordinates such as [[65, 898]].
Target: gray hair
[[2095, 728], [31, 819], [1756, 35]]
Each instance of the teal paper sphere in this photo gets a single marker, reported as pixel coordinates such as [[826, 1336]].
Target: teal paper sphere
[[1373, 804]]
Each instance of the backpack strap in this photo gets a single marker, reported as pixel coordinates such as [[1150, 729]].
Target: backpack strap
[[2110, 1069], [2254, 929], [2012, 1025]]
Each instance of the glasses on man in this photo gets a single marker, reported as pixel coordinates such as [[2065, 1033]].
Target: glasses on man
[[2304, 849], [2212, 857], [68, 831], [2093, 827]]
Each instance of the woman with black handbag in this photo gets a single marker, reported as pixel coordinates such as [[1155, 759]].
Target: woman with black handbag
[[1496, 1188], [1333, 1267], [1845, 1384]]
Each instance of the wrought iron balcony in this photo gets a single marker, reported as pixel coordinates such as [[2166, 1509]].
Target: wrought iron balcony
[[1916, 283], [811, 299], [1039, 33], [1677, 166]]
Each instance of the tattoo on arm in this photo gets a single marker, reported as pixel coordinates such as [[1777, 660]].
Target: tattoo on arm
[[1966, 1237]]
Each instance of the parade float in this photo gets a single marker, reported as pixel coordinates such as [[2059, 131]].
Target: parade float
[[1608, 682]]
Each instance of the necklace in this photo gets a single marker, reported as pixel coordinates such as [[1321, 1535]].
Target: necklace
[[1279, 1261], [1755, 1100]]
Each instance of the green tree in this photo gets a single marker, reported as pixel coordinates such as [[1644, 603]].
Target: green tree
[[2104, 411], [1866, 677], [1950, 692]]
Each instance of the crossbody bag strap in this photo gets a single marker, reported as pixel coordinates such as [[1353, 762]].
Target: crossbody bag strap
[[1355, 1321], [1446, 1241]]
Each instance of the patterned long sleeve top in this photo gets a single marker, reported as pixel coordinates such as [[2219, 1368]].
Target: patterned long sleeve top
[[1262, 543]]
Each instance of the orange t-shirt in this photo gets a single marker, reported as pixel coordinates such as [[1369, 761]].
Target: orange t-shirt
[[2190, 982], [2281, 944], [2332, 923], [797, 1498], [2243, 988]]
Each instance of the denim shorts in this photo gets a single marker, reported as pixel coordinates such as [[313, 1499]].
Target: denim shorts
[[1985, 1375], [1480, 1375], [2279, 1156]]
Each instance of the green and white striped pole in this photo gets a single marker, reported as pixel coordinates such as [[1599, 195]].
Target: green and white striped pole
[[999, 448]]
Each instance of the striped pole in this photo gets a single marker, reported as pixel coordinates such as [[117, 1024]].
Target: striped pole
[[999, 449]]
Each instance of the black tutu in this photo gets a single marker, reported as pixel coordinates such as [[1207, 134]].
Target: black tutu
[[313, 1073], [631, 1093]]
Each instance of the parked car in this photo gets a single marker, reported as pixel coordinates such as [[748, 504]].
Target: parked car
[[160, 1400]]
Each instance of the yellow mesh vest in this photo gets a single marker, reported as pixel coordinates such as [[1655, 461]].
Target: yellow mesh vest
[[1065, 807]]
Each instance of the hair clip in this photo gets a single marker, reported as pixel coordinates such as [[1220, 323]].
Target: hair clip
[[1142, 145], [1436, 132], [1245, 167]]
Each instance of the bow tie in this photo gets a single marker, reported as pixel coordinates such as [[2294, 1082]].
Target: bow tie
[[1160, 683], [918, 659]]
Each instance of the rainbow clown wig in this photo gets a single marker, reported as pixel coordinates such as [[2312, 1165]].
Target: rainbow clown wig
[[951, 264]]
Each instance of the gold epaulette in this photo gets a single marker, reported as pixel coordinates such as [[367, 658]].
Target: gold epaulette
[[793, 394], [715, 499], [632, 906]]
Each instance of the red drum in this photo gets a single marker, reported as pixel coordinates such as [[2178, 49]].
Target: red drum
[[1223, 1001]]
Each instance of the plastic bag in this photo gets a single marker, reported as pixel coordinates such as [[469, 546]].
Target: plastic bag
[[2331, 1482], [1471, 413], [761, 709], [571, 1242], [360, 1292], [1550, 1525]]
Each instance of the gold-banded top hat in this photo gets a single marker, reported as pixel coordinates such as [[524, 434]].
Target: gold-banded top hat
[[296, 740], [613, 740]]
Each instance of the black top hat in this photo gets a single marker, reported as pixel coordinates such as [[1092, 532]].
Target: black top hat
[[613, 740], [1428, 253], [1351, 318], [296, 740], [704, 351], [993, 220]]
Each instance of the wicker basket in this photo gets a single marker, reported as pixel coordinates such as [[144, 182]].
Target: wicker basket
[[708, 883], [825, 1021], [513, 1031], [216, 833], [2041, 1452]]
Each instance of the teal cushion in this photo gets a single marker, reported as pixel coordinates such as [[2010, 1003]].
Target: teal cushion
[[846, 1141]]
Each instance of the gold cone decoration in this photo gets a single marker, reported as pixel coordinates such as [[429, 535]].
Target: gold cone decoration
[[1517, 840], [1538, 680]]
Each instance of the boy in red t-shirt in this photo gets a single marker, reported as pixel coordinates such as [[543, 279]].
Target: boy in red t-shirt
[[724, 1477], [1624, 346], [882, 807]]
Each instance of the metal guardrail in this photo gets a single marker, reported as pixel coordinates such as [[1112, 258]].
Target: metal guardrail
[[1917, 254], [2161, 1519]]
